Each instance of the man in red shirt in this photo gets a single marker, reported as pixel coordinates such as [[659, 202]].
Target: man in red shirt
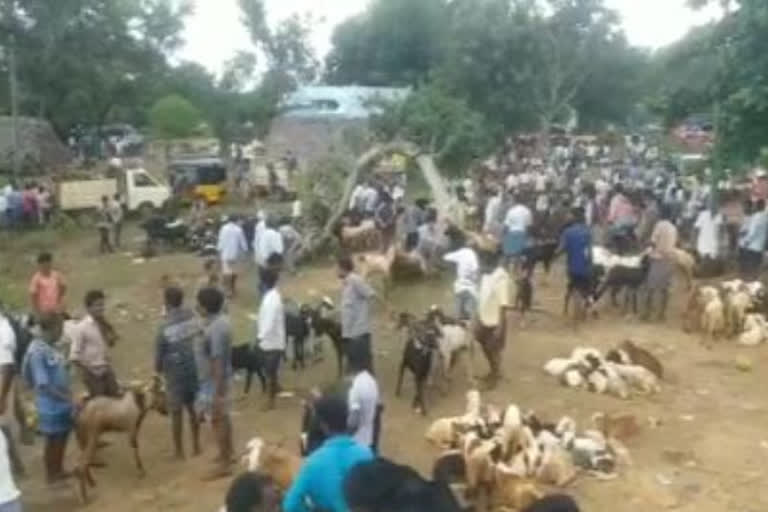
[[47, 287]]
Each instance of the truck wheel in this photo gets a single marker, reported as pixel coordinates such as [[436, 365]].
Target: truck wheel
[[146, 210]]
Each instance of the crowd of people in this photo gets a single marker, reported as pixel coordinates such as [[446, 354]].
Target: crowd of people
[[26, 206]]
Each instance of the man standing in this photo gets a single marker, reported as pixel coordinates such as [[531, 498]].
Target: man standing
[[356, 296], [467, 270], [493, 306], [271, 333], [216, 372], [753, 242], [266, 246], [105, 226], [116, 215], [232, 247], [707, 233], [363, 402], [517, 222], [8, 395], [10, 496], [321, 479], [47, 287], [293, 244], [662, 266], [89, 348], [175, 359], [576, 242]]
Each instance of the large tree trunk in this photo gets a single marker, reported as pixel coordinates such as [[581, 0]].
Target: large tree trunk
[[425, 163]]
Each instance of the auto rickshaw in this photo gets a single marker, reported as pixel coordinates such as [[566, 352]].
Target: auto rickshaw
[[198, 178]]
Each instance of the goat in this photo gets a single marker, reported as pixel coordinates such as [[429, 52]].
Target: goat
[[272, 460], [737, 303], [100, 414], [417, 357], [250, 360], [321, 325], [626, 272], [454, 340], [297, 329], [376, 263]]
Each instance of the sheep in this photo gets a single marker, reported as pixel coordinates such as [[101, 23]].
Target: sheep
[[510, 491], [556, 466], [512, 417], [639, 356], [755, 330], [420, 343], [713, 319], [616, 383], [364, 236], [274, 461], [638, 377], [557, 367], [100, 414], [573, 377], [737, 303], [685, 262], [444, 433]]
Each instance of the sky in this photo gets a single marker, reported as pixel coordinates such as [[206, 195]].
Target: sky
[[214, 33]]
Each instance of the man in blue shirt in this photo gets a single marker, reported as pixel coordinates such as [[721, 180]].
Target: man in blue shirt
[[753, 242], [320, 483], [576, 242]]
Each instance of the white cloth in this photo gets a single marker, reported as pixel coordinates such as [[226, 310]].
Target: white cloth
[[363, 400], [398, 192], [357, 197], [3, 203], [491, 212], [231, 245], [467, 269], [541, 182], [708, 226], [8, 489], [296, 209], [519, 218], [542, 203], [271, 332], [371, 198], [7, 357], [511, 182], [268, 243]]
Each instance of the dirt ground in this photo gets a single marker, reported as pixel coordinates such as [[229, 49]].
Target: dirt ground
[[707, 454]]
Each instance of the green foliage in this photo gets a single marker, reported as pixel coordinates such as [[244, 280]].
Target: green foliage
[[395, 42], [173, 117], [439, 123]]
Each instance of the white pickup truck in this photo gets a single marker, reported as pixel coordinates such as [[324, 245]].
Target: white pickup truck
[[141, 192]]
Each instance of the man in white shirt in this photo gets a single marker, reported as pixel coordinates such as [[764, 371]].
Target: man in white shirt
[[516, 224], [493, 306], [232, 246], [363, 401], [492, 207], [271, 332], [268, 250], [10, 496], [707, 229], [467, 273], [8, 392]]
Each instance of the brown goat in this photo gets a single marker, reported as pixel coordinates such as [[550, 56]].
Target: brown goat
[[107, 414]]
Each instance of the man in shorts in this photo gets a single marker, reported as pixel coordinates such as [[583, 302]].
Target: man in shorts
[[576, 242], [216, 369], [175, 359], [90, 345]]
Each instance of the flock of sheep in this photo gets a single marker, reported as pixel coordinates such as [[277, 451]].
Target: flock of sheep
[[503, 458], [622, 371], [734, 308]]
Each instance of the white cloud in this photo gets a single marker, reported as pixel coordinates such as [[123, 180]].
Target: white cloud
[[215, 33]]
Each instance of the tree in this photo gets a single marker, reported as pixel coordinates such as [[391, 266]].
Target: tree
[[394, 42], [173, 117], [442, 126]]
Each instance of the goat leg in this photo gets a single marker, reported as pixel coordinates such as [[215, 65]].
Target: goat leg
[[400, 379], [134, 440], [248, 379], [419, 399]]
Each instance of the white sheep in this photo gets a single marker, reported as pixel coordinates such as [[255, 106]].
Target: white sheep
[[572, 377], [638, 377], [557, 366], [755, 330], [713, 319]]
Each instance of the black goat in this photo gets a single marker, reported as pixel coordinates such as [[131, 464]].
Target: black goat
[[297, 330], [383, 486], [540, 252], [321, 325], [250, 360], [627, 277], [417, 356]]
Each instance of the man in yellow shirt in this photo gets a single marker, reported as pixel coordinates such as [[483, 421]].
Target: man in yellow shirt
[[493, 305]]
